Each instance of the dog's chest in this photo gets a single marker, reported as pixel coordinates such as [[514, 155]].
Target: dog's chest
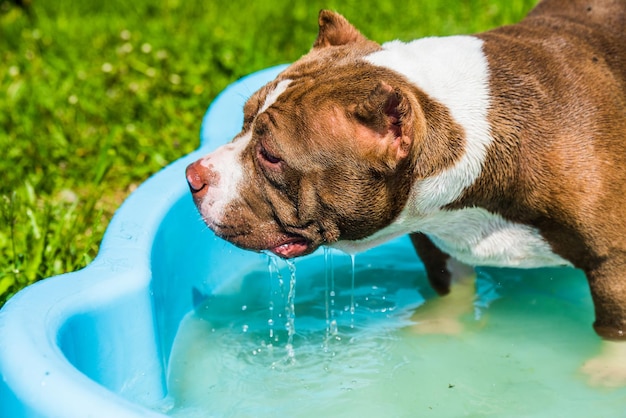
[[477, 237]]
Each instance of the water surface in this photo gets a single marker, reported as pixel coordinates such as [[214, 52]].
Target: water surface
[[350, 344]]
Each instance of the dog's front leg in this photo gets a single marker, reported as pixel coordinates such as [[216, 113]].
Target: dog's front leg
[[446, 275], [441, 269]]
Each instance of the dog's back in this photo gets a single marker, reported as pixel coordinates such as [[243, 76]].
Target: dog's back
[[604, 23], [607, 14]]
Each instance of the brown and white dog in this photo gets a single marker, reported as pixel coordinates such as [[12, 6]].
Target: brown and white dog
[[505, 148]]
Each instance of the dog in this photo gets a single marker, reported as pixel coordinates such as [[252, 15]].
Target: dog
[[505, 148]]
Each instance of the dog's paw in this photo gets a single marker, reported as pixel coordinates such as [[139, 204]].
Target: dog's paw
[[607, 369], [442, 315], [442, 326]]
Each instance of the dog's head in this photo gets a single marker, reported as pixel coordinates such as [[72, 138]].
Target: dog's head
[[325, 154]]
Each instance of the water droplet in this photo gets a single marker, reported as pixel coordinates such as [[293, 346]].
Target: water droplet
[[333, 327], [291, 354]]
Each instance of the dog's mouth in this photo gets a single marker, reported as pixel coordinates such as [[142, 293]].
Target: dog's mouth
[[284, 245], [292, 247]]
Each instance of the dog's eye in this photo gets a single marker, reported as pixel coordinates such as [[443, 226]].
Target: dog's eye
[[268, 157], [259, 130]]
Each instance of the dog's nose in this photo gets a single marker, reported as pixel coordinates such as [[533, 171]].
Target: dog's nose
[[197, 178]]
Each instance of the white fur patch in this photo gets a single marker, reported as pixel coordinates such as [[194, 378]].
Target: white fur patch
[[271, 98], [473, 236], [226, 162], [452, 70], [477, 237]]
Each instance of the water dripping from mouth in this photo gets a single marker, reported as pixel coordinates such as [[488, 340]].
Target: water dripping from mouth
[[282, 311], [352, 304], [273, 271], [287, 294], [329, 297], [290, 311]]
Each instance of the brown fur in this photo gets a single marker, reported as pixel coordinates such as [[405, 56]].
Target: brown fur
[[559, 162]]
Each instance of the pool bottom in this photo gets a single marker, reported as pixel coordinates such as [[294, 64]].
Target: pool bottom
[[359, 350]]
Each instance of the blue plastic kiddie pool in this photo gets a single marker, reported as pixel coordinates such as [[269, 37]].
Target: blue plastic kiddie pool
[[102, 341]]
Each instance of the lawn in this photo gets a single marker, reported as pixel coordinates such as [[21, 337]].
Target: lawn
[[95, 96]]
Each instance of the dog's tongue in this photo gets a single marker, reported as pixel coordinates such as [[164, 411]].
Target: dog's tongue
[[291, 248]]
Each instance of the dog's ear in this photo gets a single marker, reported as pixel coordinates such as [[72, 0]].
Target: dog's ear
[[335, 30], [386, 111]]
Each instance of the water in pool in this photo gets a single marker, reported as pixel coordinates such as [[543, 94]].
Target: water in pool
[[338, 336]]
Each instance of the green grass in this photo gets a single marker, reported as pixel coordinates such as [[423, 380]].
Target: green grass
[[95, 96]]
